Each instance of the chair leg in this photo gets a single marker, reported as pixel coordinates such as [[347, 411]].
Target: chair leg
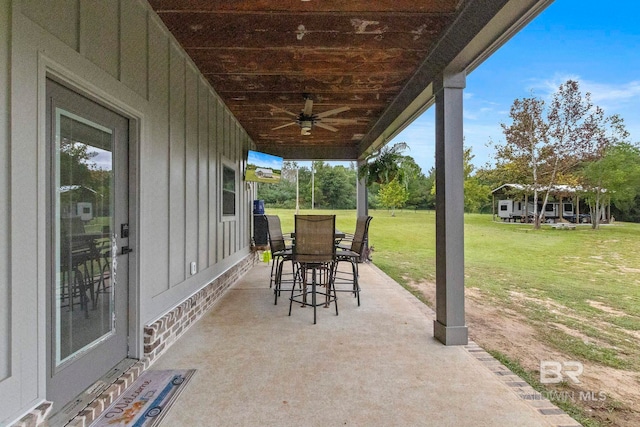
[[304, 284], [297, 274], [318, 274], [92, 282], [332, 285], [356, 285], [272, 279], [313, 293], [82, 288], [278, 281]]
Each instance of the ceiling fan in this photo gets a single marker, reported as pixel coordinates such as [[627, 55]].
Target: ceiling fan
[[307, 119]]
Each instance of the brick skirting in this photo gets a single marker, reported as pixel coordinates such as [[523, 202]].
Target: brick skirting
[[162, 333], [158, 337]]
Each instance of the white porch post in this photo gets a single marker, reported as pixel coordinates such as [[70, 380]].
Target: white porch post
[[449, 327], [362, 199]]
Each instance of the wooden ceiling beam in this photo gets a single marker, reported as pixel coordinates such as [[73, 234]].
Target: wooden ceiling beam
[[333, 6], [312, 31]]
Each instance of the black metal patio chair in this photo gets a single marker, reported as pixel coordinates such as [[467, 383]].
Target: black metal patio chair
[[351, 250], [280, 253]]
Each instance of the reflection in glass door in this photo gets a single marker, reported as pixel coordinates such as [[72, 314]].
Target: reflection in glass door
[[88, 204], [82, 238]]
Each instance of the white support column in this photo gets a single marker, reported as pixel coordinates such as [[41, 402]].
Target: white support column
[[362, 199], [450, 327]]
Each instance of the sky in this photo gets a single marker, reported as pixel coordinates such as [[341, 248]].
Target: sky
[[264, 160], [594, 42]]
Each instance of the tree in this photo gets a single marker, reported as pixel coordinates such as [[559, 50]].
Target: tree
[[75, 163], [408, 170], [545, 143], [416, 183], [335, 186], [393, 195], [385, 166], [614, 177], [420, 196], [282, 194], [476, 193]]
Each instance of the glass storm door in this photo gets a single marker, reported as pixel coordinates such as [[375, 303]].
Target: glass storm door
[[88, 217]]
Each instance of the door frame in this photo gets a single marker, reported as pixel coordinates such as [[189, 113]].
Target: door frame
[[86, 364], [109, 96]]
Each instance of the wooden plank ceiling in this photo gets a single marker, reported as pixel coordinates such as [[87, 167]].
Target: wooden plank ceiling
[[263, 57]]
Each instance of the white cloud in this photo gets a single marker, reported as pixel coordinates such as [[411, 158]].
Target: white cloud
[[606, 95], [615, 98], [610, 94]]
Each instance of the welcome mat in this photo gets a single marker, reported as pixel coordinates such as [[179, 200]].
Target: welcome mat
[[147, 401]]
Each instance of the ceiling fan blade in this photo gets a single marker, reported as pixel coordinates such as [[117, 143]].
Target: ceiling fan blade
[[332, 112], [282, 110], [284, 126], [308, 105], [327, 127]]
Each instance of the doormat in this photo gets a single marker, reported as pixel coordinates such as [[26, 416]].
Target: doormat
[[147, 401]]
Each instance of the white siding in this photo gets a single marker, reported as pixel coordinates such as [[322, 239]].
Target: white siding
[[155, 159], [219, 146], [212, 136], [119, 52], [64, 26], [191, 169], [26, 232], [100, 33], [5, 285], [203, 175], [176, 165], [134, 47]]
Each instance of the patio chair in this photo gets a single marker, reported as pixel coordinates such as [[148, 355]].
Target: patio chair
[[78, 257], [280, 253], [314, 253], [352, 253]]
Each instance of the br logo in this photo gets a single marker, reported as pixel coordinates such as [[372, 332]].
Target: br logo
[[553, 372]]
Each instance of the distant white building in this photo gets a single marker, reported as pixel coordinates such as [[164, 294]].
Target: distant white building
[[264, 173], [514, 203]]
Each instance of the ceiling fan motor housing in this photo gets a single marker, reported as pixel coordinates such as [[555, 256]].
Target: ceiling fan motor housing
[[306, 123]]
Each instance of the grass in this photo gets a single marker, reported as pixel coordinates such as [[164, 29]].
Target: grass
[[557, 398], [587, 280]]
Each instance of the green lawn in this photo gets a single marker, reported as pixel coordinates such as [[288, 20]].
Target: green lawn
[[586, 280]]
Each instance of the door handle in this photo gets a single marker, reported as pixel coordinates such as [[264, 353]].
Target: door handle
[[126, 250]]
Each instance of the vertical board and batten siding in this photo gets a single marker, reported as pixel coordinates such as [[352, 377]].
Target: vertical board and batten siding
[[219, 239], [156, 155], [65, 26], [203, 174], [177, 120], [134, 47], [120, 49], [5, 155], [100, 34], [212, 138], [191, 169]]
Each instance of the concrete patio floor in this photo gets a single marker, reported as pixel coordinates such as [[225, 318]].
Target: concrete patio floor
[[373, 365]]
